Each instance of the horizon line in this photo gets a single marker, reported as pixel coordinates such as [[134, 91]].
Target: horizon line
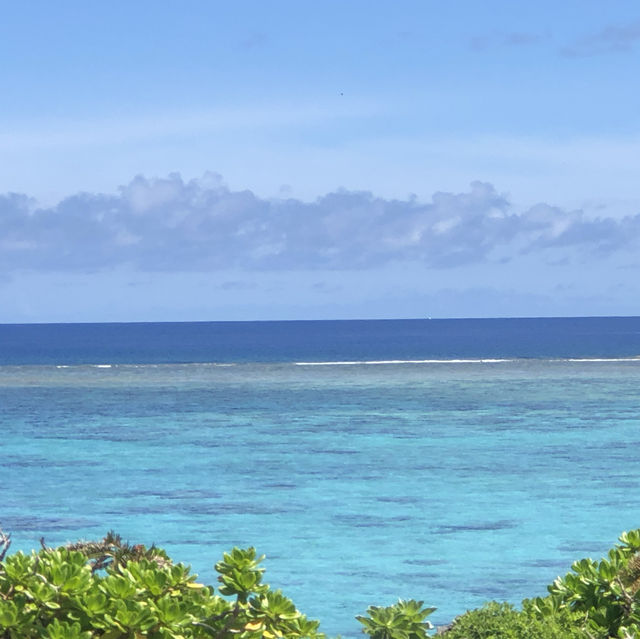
[[293, 320]]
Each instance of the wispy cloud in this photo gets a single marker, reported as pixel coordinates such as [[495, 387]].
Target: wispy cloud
[[201, 225], [51, 133], [610, 39], [506, 39]]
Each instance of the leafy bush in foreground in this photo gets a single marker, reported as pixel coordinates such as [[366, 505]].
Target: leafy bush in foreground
[[597, 600], [604, 594], [502, 621], [403, 620], [112, 590]]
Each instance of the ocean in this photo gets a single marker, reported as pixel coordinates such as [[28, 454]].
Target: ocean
[[451, 461]]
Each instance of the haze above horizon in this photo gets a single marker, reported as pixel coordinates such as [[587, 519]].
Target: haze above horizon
[[287, 160]]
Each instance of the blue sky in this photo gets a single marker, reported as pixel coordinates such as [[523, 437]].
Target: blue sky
[[282, 160]]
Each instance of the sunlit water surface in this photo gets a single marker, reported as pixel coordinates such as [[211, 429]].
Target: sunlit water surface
[[453, 483]]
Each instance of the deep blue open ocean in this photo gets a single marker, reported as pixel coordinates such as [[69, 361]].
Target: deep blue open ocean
[[452, 461]]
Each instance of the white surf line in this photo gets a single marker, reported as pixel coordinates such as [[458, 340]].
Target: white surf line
[[216, 364], [161, 365], [403, 361], [600, 359]]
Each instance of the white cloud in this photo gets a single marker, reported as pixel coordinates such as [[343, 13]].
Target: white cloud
[[613, 38], [201, 225]]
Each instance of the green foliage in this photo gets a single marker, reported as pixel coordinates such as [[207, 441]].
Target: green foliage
[[112, 590], [597, 600], [605, 594], [240, 573], [503, 621], [402, 620]]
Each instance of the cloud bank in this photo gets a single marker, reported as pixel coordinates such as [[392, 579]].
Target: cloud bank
[[611, 39], [201, 225]]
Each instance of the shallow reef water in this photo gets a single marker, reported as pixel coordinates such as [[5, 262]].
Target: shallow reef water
[[453, 482]]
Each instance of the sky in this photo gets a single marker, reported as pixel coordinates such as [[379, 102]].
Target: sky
[[251, 160]]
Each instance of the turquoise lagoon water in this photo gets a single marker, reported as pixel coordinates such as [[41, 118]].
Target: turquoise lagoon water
[[449, 481]]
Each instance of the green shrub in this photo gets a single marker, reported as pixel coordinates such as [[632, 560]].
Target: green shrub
[[112, 590], [403, 620], [502, 621], [605, 594]]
